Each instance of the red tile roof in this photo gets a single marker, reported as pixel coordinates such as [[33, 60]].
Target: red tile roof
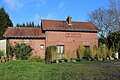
[[23, 32], [63, 25], [51, 25]]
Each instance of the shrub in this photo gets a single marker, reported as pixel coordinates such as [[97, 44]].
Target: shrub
[[54, 53], [110, 53], [80, 51], [119, 47], [104, 51], [35, 59], [69, 55], [1, 53], [99, 52], [9, 50], [50, 54], [93, 51], [114, 40], [22, 51]]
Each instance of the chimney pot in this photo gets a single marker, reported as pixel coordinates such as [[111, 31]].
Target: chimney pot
[[69, 20]]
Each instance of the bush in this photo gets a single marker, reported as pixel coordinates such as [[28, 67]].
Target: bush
[[69, 55], [50, 54], [80, 51], [54, 53], [22, 51], [9, 50], [99, 52], [35, 59], [111, 52], [118, 49], [114, 40], [93, 51], [1, 53], [104, 51]]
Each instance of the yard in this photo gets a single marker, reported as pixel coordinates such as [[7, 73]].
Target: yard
[[85, 70]]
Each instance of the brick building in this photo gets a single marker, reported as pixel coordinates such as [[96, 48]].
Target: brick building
[[66, 35]]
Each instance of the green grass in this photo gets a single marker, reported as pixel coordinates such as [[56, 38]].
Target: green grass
[[85, 70]]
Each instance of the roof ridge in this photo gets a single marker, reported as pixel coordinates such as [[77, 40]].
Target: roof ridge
[[51, 20], [64, 21]]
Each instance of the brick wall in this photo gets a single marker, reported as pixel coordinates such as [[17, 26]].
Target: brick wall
[[71, 40], [34, 43]]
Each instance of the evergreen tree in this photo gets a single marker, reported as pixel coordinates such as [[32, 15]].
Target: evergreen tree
[[23, 25], [17, 25], [5, 22], [32, 24], [37, 25], [27, 24], [113, 40]]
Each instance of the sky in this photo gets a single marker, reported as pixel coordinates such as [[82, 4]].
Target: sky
[[22, 11]]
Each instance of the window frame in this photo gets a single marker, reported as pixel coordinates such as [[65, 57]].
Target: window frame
[[41, 46], [60, 49]]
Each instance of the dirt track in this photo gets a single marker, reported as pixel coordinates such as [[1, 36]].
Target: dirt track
[[108, 64]]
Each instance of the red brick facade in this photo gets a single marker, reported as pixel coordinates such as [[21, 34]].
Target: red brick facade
[[54, 32], [34, 43], [71, 40]]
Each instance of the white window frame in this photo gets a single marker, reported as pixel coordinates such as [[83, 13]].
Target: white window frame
[[60, 49], [42, 46]]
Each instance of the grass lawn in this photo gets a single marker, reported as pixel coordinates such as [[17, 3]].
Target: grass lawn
[[26, 70]]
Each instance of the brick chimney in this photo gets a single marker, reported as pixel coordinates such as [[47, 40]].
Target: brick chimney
[[69, 20]]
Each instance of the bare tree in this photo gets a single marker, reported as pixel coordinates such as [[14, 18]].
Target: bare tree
[[107, 20], [103, 19], [115, 8]]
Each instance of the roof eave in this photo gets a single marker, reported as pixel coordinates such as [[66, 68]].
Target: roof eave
[[25, 37], [71, 30]]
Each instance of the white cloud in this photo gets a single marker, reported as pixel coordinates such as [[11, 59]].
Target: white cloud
[[19, 4], [36, 19], [49, 16], [39, 3], [14, 4], [61, 5]]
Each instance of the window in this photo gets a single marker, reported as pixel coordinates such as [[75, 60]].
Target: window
[[60, 49], [41, 46], [87, 49]]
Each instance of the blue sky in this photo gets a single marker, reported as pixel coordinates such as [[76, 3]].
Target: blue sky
[[34, 10]]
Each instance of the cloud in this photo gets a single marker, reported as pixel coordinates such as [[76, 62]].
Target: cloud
[[19, 4], [49, 16], [14, 4], [61, 5], [40, 3], [36, 19]]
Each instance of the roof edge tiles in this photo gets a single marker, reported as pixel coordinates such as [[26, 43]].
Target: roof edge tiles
[[62, 25]]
